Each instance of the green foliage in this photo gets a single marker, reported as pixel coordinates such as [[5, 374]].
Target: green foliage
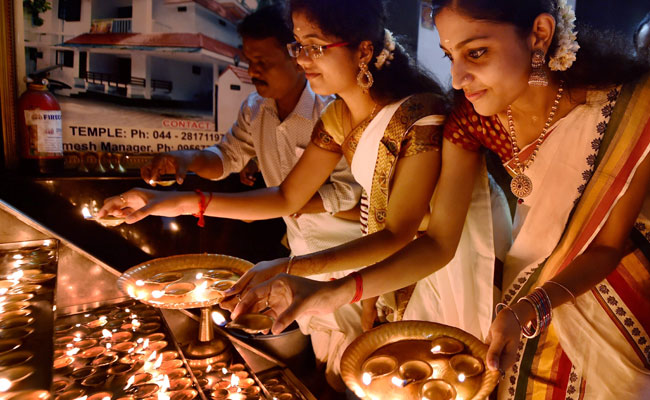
[[35, 7]]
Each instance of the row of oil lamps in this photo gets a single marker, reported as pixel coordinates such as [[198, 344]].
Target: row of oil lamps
[[123, 351], [24, 273], [443, 377]]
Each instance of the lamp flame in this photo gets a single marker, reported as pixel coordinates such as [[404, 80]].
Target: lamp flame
[[366, 378], [234, 380], [461, 377], [398, 382], [129, 382], [86, 213], [218, 318], [107, 334]]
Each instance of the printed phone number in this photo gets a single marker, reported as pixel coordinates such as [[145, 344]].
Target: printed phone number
[[188, 136]]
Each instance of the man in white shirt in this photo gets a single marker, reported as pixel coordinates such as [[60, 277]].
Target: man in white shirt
[[274, 125]]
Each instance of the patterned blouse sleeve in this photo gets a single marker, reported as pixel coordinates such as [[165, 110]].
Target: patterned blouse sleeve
[[324, 140], [460, 125], [326, 130], [420, 139]]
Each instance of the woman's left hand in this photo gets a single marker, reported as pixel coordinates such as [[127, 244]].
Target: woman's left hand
[[503, 340]]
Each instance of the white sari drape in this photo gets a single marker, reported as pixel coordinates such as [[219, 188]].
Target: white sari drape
[[609, 365], [461, 293]]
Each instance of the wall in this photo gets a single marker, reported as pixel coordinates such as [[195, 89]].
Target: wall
[[187, 86]]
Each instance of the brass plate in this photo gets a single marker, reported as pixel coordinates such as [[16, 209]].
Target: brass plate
[[134, 281], [370, 342]]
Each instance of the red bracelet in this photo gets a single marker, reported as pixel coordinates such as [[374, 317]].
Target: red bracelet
[[203, 205], [359, 286]]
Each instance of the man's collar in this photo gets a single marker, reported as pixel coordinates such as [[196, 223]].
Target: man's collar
[[304, 108]]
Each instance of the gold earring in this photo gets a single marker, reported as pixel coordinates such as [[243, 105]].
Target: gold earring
[[364, 78], [538, 76]]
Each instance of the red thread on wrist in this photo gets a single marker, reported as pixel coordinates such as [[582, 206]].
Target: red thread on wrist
[[359, 286], [203, 205]]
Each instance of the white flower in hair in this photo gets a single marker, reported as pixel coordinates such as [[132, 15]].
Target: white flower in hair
[[567, 45], [386, 54]]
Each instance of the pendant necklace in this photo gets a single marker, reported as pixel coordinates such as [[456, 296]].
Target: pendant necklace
[[521, 185]]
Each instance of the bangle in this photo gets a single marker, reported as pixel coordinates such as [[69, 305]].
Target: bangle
[[529, 330], [359, 286], [287, 271], [565, 289], [203, 205], [501, 306], [541, 303]]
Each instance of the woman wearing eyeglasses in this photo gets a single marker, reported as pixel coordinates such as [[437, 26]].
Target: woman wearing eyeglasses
[[387, 123]]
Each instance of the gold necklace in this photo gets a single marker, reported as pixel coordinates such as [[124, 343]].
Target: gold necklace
[[348, 118], [521, 185]]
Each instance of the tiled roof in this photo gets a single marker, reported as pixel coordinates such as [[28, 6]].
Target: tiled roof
[[240, 72], [155, 40]]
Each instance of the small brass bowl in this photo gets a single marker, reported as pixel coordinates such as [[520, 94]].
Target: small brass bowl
[[97, 323], [17, 322], [220, 394], [246, 383], [16, 333], [101, 396], [187, 394], [8, 345], [82, 373], [104, 360], [12, 298], [379, 366], [179, 289], [124, 347], [155, 337], [157, 346], [437, 389], [60, 385], [219, 274], [85, 344], [170, 365], [92, 352], [169, 355], [120, 369], [466, 364], [180, 384], [445, 345], [166, 277], [14, 306], [94, 380], [16, 374], [70, 394], [149, 327], [119, 337], [252, 323], [177, 373], [63, 362], [40, 278], [15, 358], [25, 288], [143, 390], [415, 370], [221, 286]]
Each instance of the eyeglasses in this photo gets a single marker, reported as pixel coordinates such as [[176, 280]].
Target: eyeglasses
[[311, 50]]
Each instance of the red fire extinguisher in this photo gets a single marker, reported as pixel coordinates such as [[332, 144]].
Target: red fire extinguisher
[[39, 125]]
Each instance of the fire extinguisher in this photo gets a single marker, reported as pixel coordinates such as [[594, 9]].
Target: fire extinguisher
[[39, 125]]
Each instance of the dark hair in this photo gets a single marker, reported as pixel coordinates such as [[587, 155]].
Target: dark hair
[[355, 21], [604, 58], [267, 22]]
